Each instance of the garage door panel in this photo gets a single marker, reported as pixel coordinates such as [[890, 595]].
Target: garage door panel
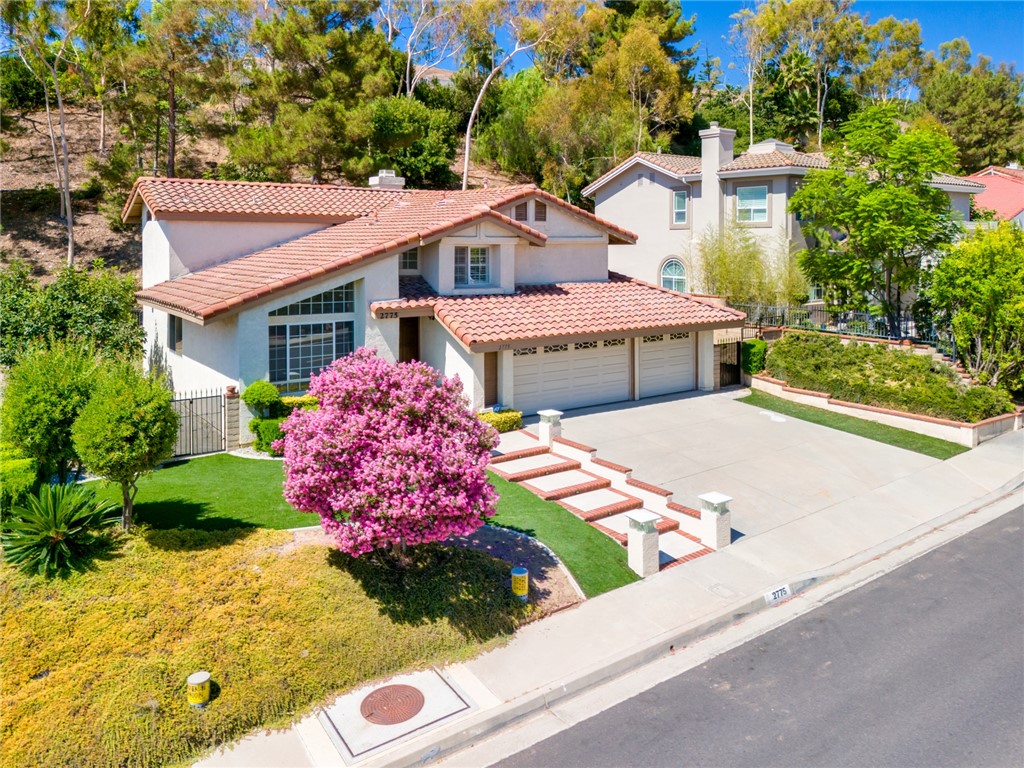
[[573, 378], [666, 365]]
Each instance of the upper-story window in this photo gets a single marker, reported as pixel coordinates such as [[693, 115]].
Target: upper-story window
[[410, 259], [340, 300], [673, 275], [679, 207], [540, 211], [521, 212], [752, 204], [174, 334], [472, 266]]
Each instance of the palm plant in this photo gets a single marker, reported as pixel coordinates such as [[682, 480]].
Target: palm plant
[[55, 530]]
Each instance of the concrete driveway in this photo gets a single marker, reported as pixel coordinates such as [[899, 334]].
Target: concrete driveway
[[778, 470]]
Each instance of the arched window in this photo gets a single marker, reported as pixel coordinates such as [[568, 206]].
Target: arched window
[[673, 275]]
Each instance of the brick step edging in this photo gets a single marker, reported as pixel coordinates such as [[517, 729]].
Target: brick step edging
[[529, 474], [599, 513]]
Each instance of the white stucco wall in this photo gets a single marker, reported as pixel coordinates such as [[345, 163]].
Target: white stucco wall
[[209, 356], [439, 350]]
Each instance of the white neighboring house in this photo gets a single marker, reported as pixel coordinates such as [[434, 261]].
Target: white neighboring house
[[508, 288], [671, 201]]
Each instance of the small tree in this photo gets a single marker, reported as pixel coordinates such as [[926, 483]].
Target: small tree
[[392, 458], [735, 266], [45, 392], [979, 287], [126, 429]]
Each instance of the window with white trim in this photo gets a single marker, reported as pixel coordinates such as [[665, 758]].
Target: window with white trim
[[174, 333], [410, 259], [679, 206], [673, 276], [752, 204], [340, 300], [472, 266], [299, 350]]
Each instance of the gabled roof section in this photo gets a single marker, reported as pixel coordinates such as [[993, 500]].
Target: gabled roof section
[[203, 198], [1004, 191], [749, 161], [674, 165], [622, 305]]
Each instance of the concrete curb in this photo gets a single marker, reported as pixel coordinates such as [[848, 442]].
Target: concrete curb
[[461, 734]]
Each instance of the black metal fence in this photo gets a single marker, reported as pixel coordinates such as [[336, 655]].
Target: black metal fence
[[201, 429]]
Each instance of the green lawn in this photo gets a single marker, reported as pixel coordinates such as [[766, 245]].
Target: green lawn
[[222, 492], [882, 433], [597, 562]]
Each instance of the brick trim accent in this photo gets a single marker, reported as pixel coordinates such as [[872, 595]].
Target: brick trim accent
[[648, 487], [571, 444], [628, 503], [530, 474], [689, 511], [522, 453], [597, 484], [611, 465]]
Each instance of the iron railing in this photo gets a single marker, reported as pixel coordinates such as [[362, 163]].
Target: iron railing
[[201, 429]]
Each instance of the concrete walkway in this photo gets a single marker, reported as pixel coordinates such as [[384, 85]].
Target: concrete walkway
[[811, 503]]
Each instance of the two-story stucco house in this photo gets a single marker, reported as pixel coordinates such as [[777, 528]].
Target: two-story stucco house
[[508, 288], [671, 201]]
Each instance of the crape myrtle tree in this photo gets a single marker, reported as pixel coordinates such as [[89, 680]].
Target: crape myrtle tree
[[393, 457]]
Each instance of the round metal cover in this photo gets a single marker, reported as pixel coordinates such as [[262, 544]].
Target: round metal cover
[[392, 704]]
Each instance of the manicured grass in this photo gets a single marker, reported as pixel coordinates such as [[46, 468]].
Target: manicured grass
[[93, 667], [882, 433], [215, 493], [597, 562], [222, 492]]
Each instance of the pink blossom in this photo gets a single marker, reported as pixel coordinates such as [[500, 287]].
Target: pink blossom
[[393, 455]]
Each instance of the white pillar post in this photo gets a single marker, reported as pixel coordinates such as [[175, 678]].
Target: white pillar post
[[716, 520], [550, 425], [642, 542]]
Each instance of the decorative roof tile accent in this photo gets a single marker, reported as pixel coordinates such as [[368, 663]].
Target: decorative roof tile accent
[[191, 197], [560, 310], [411, 218]]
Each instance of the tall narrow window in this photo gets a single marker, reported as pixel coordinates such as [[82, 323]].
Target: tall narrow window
[[679, 207], [472, 266], [751, 204], [673, 275], [522, 212], [409, 260], [174, 333], [540, 211]]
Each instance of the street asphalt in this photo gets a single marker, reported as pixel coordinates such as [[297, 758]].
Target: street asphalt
[[922, 667]]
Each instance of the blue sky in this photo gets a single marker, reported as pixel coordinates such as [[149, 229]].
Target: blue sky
[[994, 28]]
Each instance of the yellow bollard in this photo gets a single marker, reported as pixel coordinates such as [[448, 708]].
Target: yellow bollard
[[199, 689], [521, 583]]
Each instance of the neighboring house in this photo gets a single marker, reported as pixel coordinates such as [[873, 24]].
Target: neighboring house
[[507, 287], [671, 201], [1004, 192]]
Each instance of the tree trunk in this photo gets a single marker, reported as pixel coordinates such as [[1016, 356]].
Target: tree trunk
[[127, 506], [53, 147], [103, 115], [476, 108], [172, 126], [156, 147], [750, 105], [69, 218]]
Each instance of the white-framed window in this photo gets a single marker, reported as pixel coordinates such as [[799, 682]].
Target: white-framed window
[[673, 275], [340, 300], [410, 259], [174, 332], [298, 350], [752, 204], [472, 266], [817, 293], [679, 206]]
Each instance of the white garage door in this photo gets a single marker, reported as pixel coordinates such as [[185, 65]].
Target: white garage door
[[666, 364], [571, 375]]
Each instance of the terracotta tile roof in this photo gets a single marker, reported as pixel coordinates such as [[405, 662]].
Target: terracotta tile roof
[[677, 165], [961, 181], [190, 197], [1004, 191], [622, 305], [776, 159], [407, 220]]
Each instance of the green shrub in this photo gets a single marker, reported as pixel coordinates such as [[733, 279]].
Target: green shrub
[[18, 475], [263, 397], [303, 402], [55, 531], [266, 432], [753, 353], [504, 421], [874, 374]]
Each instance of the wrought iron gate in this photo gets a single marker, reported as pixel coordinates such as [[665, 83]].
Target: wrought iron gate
[[729, 364], [201, 429]]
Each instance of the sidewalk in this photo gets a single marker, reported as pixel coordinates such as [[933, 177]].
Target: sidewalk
[[622, 630]]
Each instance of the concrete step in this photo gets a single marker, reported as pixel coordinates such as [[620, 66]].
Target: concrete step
[[562, 485], [598, 504], [522, 453], [530, 467]]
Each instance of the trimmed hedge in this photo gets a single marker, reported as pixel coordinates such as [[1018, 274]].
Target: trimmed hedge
[[266, 432], [18, 475], [262, 397], [304, 402], [753, 354], [873, 374], [504, 421]]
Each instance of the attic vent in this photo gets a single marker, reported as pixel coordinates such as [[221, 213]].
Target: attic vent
[[521, 212], [540, 211], [639, 179]]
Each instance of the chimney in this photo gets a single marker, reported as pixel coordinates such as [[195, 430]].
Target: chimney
[[715, 151], [386, 179]]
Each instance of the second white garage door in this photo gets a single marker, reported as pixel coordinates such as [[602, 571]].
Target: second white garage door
[[571, 375], [666, 364]]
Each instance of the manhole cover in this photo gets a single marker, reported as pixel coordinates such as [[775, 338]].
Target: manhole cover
[[392, 704]]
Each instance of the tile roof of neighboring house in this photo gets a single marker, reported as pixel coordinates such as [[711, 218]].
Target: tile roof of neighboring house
[[622, 305], [408, 220], [960, 181], [776, 159], [202, 197], [1004, 191], [677, 165]]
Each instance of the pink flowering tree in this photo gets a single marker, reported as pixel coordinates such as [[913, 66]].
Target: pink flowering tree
[[393, 457]]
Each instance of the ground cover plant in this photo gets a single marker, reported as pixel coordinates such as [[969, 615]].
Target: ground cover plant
[[596, 561], [94, 666], [882, 433], [872, 374]]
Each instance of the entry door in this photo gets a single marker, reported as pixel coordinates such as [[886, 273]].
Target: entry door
[[408, 339], [490, 379]]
